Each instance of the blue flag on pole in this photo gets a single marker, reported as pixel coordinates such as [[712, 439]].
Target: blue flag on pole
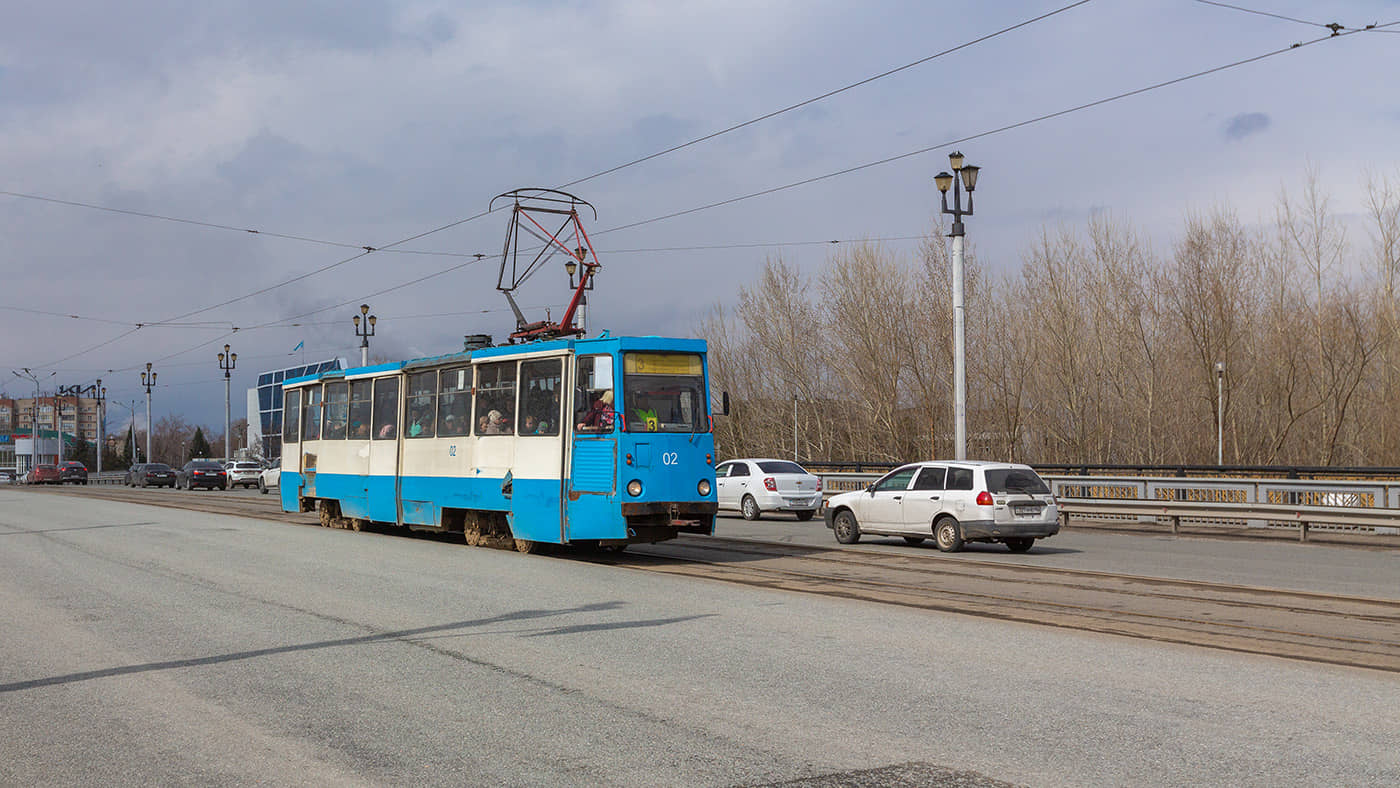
[[298, 347]]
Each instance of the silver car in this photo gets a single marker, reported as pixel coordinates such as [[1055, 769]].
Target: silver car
[[757, 486], [953, 502]]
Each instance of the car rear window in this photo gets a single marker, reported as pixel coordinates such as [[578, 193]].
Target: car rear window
[[247, 466], [207, 466], [1016, 480], [780, 466]]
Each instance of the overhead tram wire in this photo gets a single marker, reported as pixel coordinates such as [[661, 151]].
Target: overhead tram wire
[[367, 250], [826, 95], [1263, 13], [980, 135], [848, 170]]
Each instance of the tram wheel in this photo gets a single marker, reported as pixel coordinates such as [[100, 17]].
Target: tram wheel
[[526, 546]]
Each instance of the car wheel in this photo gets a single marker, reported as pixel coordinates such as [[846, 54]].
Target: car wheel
[[806, 514], [914, 539], [845, 527], [750, 508], [948, 535], [1019, 544], [262, 486]]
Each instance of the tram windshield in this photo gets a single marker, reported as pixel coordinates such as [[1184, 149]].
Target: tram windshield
[[664, 392]]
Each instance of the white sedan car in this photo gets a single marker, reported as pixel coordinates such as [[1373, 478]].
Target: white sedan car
[[757, 486], [954, 502], [270, 477]]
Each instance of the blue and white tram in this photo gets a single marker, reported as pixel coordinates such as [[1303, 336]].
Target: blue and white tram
[[599, 442]]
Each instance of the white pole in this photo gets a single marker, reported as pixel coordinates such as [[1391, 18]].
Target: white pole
[[959, 356], [228, 434], [1219, 414], [148, 424]]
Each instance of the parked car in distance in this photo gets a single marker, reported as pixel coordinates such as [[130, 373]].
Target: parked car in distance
[[150, 474], [757, 486], [243, 473], [7, 475], [202, 473], [72, 471], [42, 474], [954, 502], [271, 477]]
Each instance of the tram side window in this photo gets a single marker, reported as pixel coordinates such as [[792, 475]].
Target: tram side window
[[455, 403], [593, 398], [311, 421], [337, 410], [386, 409], [539, 396], [291, 422], [422, 401], [360, 414], [495, 399]]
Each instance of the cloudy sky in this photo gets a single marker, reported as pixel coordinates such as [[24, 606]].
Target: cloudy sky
[[366, 122]]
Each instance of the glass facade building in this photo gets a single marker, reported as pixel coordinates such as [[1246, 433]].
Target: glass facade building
[[265, 404]]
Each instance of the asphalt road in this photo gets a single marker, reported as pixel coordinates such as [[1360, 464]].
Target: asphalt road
[[141, 645]]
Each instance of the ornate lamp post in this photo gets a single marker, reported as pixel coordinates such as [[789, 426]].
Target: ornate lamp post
[[148, 379], [967, 176], [365, 334], [227, 361]]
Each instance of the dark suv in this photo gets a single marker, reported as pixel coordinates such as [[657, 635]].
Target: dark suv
[[72, 471], [149, 474], [202, 473]]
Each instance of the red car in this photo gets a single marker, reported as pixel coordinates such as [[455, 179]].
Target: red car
[[42, 474]]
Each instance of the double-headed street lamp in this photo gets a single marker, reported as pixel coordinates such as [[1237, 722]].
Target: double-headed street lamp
[[365, 333], [148, 379], [227, 361], [967, 175]]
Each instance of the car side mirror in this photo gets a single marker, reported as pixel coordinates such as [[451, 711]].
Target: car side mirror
[[870, 488]]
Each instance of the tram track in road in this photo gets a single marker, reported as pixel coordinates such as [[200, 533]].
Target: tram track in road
[[1334, 629], [1319, 627]]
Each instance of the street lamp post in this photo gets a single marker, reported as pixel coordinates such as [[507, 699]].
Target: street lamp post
[[364, 333], [966, 176], [1220, 413], [227, 361], [34, 414], [101, 397], [148, 379]]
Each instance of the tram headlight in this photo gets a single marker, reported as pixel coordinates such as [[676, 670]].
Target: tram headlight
[[703, 487], [634, 488]]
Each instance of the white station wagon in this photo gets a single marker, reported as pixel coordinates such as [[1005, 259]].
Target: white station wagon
[[954, 502]]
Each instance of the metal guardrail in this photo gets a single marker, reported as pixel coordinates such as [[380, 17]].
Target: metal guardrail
[[1366, 507]]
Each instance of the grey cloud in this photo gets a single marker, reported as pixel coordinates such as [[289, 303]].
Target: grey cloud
[[1245, 124]]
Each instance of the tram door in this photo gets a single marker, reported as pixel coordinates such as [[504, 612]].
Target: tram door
[[354, 500], [310, 438], [381, 482], [592, 482], [536, 487]]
